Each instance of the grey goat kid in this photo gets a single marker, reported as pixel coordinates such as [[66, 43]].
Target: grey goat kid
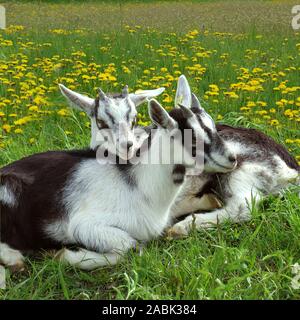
[[116, 112]]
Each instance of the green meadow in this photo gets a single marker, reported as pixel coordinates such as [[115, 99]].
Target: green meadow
[[242, 60]]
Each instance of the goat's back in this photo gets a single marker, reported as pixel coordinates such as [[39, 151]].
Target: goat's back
[[34, 184], [264, 145]]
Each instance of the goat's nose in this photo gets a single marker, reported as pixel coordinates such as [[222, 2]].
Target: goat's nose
[[127, 145], [232, 158]]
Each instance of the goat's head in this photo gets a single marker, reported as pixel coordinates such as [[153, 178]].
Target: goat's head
[[203, 143], [217, 156], [176, 148], [116, 112]]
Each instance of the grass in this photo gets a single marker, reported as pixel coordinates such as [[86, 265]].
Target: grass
[[251, 261], [144, 45], [225, 16]]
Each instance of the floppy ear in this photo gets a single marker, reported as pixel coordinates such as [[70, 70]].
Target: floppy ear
[[139, 98], [183, 93], [78, 100], [160, 116]]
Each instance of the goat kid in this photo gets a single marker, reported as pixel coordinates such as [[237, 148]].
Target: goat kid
[[235, 191], [59, 198], [116, 112], [107, 111], [264, 167], [208, 201]]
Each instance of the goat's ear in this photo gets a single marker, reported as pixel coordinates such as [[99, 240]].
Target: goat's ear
[[160, 116], [142, 96], [78, 100], [183, 93], [195, 102], [187, 112]]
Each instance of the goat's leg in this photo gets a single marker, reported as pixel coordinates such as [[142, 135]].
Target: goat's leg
[[88, 260], [190, 204], [237, 209], [106, 246], [11, 258]]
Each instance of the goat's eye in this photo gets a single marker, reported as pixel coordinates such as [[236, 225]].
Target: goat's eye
[[101, 124]]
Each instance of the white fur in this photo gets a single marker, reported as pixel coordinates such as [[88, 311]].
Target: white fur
[[144, 95], [208, 122], [183, 93], [117, 113], [77, 100], [195, 124], [106, 214], [103, 211], [247, 185], [7, 196], [10, 257], [89, 260], [110, 216]]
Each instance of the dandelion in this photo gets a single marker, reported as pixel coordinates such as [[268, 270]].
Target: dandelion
[[231, 94], [6, 127], [167, 99], [63, 112], [18, 131], [274, 122]]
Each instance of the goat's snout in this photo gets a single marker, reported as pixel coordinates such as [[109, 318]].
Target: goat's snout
[[232, 158], [127, 145]]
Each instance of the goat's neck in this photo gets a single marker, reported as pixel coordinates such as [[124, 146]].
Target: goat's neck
[[156, 180]]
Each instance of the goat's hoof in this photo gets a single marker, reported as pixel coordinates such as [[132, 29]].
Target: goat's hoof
[[18, 266], [59, 255], [52, 253], [178, 231]]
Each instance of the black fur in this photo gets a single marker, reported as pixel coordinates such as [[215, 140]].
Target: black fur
[[178, 173], [39, 178], [127, 174], [265, 145], [265, 148]]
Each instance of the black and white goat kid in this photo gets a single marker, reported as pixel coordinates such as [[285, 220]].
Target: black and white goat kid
[[61, 198], [264, 167], [116, 112]]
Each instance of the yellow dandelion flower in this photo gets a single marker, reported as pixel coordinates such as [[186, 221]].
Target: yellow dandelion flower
[[63, 112], [274, 122], [18, 131], [6, 127], [289, 141], [167, 99]]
